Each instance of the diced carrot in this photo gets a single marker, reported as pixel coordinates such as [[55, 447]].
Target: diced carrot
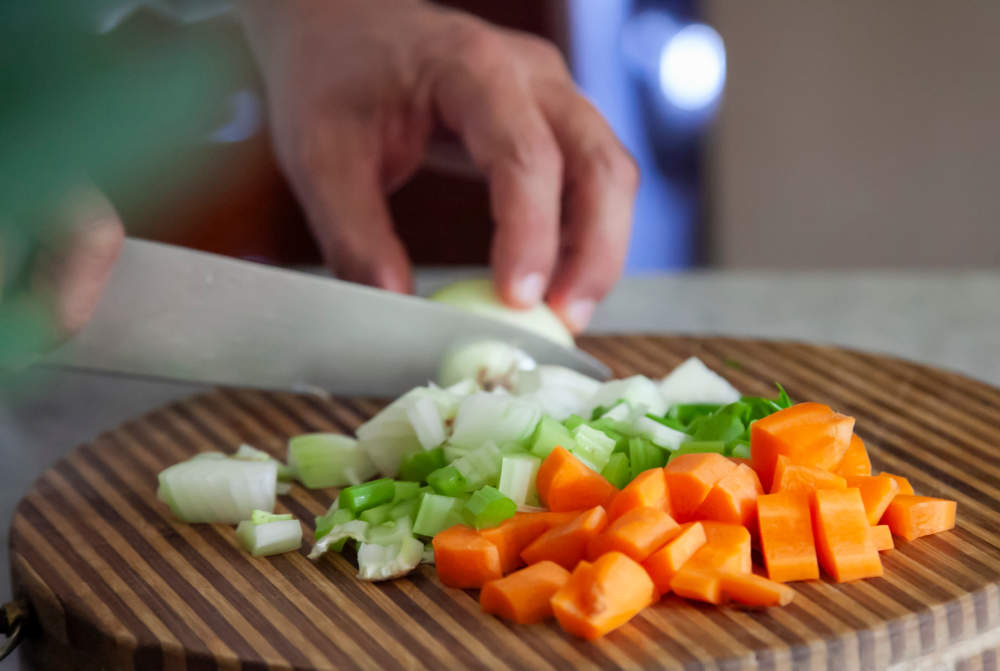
[[566, 544], [856, 460], [566, 483], [663, 564], [524, 596], [740, 460], [877, 492], [843, 537], [465, 559], [882, 537], [647, 490], [557, 519], [726, 549], [803, 479], [786, 536], [689, 479], [637, 533], [912, 516], [810, 434], [904, 485], [697, 583], [602, 596], [513, 535], [755, 590], [733, 499]]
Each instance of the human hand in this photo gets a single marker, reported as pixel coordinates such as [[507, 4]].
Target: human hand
[[355, 90]]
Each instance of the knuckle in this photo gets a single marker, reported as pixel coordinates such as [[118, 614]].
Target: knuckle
[[475, 44], [544, 53], [616, 166], [533, 153]]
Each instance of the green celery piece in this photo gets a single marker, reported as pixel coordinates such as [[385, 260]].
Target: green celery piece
[[685, 413], [437, 513], [518, 474], [598, 411], [739, 449], [487, 507], [593, 447], [573, 421], [447, 481], [331, 519], [377, 515], [480, 466], [548, 434], [405, 490], [725, 424], [783, 400], [644, 455], [263, 517], [617, 431], [618, 471], [669, 422], [407, 508], [419, 465], [390, 532], [358, 498], [699, 447]]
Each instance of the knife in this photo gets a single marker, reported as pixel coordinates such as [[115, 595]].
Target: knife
[[176, 313]]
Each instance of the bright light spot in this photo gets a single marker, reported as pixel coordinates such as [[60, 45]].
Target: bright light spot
[[693, 67]]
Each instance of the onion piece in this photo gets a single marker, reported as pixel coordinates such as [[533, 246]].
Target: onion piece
[[218, 490], [485, 416], [328, 460], [490, 363], [694, 382], [385, 562], [637, 390], [269, 538]]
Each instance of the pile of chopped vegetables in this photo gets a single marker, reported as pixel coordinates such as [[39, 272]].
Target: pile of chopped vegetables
[[561, 496]]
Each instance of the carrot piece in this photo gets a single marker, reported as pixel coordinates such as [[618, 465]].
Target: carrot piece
[[912, 516], [663, 564], [733, 499], [904, 485], [803, 479], [740, 460], [566, 544], [556, 519], [647, 490], [882, 537], [856, 460], [755, 590], [786, 536], [637, 533], [843, 537], [465, 559], [524, 597], [877, 492], [513, 535], [602, 596], [697, 583], [689, 479], [810, 434], [566, 483], [726, 549]]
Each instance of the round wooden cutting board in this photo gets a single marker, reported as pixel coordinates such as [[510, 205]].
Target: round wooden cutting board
[[115, 583]]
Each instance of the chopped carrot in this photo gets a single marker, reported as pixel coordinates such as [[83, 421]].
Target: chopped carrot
[[726, 549], [856, 460], [566, 483], [740, 460], [663, 564], [566, 544], [465, 559], [513, 535], [524, 597], [755, 590], [637, 533], [697, 583], [647, 490], [843, 537], [882, 537], [556, 519], [904, 485], [912, 516], [877, 492], [803, 479], [602, 596], [689, 479], [786, 536], [733, 499], [810, 434]]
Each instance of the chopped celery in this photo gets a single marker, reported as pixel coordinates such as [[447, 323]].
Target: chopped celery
[[739, 449], [480, 466], [685, 413], [419, 465], [698, 447], [437, 513], [659, 434], [616, 431], [428, 556], [724, 424], [487, 507], [263, 517], [356, 530], [368, 495], [668, 422], [218, 490], [643, 455], [376, 515], [593, 447], [330, 519], [270, 538], [407, 509], [384, 562], [447, 481], [517, 478], [617, 471], [573, 421], [548, 435], [328, 460], [390, 532], [405, 490]]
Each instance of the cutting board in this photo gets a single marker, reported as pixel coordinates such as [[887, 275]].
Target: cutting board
[[115, 583]]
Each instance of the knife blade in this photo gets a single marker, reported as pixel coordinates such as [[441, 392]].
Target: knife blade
[[176, 313]]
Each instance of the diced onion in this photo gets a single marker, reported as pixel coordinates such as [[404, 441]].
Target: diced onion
[[218, 490], [694, 382]]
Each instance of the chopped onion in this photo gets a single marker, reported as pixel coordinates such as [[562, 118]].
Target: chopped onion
[[218, 490], [385, 562], [557, 390], [270, 538], [328, 460], [251, 453], [489, 363], [426, 422], [353, 529], [486, 417], [659, 434], [694, 382], [479, 466], [637, 390]]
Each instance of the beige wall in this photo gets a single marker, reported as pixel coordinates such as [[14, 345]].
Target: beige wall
[[857, 133]]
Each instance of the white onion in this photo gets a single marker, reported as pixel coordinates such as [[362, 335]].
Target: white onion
[[694, 382]]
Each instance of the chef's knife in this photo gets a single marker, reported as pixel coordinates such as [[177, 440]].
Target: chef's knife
[[175, 313]]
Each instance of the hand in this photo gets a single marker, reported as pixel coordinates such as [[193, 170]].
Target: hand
[[355, 90]]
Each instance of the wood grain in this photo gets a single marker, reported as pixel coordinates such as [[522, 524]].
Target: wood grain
[[118, 584]]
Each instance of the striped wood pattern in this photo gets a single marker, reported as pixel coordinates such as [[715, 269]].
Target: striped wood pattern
[[117, 584]]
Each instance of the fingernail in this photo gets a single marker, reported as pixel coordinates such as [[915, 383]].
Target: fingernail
[[578, 314], [528, 290]]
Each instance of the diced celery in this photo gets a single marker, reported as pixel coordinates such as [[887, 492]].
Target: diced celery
[[617, 471], [263, 517], [385, 562], [270, 538], [644, 455], [593, 447], [356, 530], [368, 495], [330, 519], [487, 507], [480, 466], [668, 422], [740, 449], [725, 424], [685, 413], [405, 490], [658, 433], [377, 515], [447, 481], [388, 533], [437, 513], [407, 509], [698, 447], [614, 430], [548, 435], [517, 478], [328, 460], [573, 421], [419, 465]]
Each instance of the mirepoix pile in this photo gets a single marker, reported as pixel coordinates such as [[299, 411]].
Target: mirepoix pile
[[561, 496]]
